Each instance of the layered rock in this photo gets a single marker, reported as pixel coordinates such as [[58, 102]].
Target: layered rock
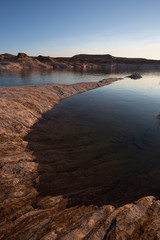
[[19, 109], [26, 213], [82, 62]]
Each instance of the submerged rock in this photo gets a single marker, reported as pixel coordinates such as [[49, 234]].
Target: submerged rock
[[135, 76]]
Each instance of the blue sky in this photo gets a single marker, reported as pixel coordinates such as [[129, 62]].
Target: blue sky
[[68, 27]]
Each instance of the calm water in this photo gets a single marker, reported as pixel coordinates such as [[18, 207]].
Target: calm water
[[31, 78], [106, 140]]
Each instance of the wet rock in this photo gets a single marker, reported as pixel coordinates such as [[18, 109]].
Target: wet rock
[[20, 108], [135, 76], [109, 80]]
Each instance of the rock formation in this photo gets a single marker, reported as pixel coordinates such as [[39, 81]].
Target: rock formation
[[45, 59], [27, 214], [135, 76], [82, 62], [22, 55]]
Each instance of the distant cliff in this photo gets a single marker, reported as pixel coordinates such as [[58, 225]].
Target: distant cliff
[[83, 62]]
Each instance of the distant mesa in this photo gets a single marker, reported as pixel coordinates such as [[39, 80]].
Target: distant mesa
[[82, 62], [135, 76], [93, 58]]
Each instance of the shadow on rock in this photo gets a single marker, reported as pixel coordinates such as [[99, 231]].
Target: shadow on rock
[[79, 163]]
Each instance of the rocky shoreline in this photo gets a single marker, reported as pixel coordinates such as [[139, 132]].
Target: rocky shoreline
[[83, 63], [24, 212]]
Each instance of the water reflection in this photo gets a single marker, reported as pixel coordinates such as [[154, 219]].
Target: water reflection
[[66, 77], [103, 144], [44, 77]]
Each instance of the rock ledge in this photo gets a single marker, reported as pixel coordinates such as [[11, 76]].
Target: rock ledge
[[24, 213]]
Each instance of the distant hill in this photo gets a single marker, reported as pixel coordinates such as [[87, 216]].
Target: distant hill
[[82, 62]]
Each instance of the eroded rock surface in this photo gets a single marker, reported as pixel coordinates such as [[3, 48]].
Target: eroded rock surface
[[28, 215]]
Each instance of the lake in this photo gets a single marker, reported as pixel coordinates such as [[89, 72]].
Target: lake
[[104, 142], [63, 77]]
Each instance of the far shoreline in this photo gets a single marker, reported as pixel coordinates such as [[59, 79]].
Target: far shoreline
[[78, 63]]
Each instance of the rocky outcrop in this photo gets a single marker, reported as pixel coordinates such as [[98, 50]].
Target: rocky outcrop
[[20, 107], [109, 64], [1, 58], [23, 63], [135, 76], [22, 55], [25, 212], [6, 56], [44, 59], [83, 62]]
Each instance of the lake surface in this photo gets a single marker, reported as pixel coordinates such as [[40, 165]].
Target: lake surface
[[64, 77], [104, 141]]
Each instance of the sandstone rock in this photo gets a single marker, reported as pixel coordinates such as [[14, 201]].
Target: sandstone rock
[[83, 62], [6, 56], [25, 213], [44, 59], [109, 80], [1, 57], [20, 107], [93, 58], [22, 55]]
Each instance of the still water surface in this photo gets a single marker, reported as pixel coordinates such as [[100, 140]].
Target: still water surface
[[32, 77], [105, 139]]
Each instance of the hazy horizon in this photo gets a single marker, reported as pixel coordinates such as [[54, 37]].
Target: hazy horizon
[[67, 28]]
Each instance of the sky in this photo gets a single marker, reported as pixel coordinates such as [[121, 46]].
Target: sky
[[126, 28]]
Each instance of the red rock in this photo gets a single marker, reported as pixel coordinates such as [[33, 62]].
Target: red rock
[[83, 62], [22, 55], [27, 215]]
